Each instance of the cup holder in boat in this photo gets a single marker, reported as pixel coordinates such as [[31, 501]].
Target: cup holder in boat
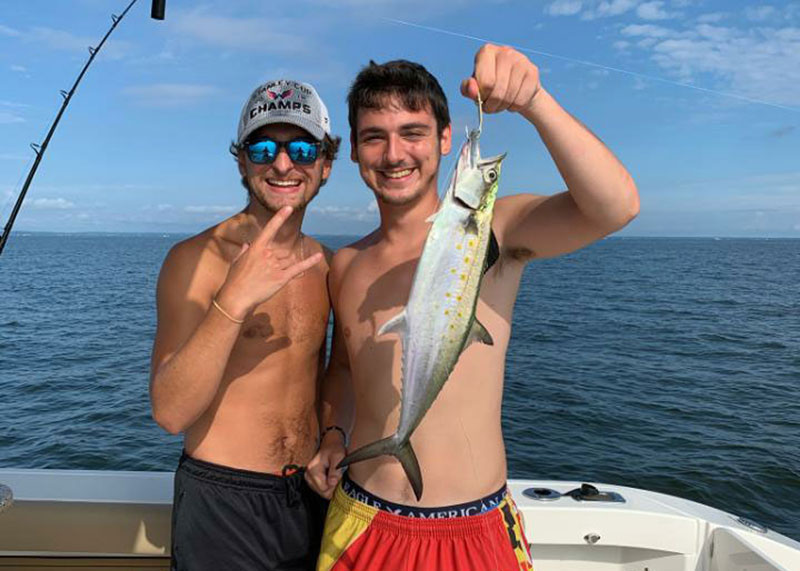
[[588, 493], [541, 494], [6, 497]]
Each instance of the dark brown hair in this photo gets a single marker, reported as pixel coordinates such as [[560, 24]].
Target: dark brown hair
[[410, 82]]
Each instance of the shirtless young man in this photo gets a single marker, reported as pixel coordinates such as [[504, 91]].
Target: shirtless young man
[[400, 128], [242, 317]]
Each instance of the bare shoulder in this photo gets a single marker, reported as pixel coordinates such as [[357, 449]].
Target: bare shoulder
[[189, 262], [344, 257], [313, 246]]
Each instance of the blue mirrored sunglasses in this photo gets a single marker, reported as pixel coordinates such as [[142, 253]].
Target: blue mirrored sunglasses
[[264, 151]]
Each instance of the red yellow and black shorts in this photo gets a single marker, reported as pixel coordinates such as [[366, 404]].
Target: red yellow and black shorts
[[366, 533]]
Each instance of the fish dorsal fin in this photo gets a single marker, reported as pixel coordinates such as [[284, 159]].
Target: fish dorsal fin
[[479, 334], [396, 324]]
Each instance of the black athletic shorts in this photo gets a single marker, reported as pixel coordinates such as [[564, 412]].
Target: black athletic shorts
[[229, 519]]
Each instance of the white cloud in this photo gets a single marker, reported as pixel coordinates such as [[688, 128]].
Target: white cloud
[[13, 104], [59, 39], [712, 18], [715, 33], [760, 63], [367, 213], [8, 117], [65, 41], [9, 113], [170, 94], [590, 9], [230, 32], [647, 30], [18, 68], [564, 7], [652, 11], [6, 31], [760, 13], [217, 209], [51, 204], [766, 192], [612, 8], [755, 63]]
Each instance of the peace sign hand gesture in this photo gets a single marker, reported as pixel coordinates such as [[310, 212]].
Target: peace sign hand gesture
[[261, 269]]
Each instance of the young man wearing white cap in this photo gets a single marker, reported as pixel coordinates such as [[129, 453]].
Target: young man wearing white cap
[[242, 317]]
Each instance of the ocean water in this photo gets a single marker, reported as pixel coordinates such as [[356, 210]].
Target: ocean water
[[666, 364]]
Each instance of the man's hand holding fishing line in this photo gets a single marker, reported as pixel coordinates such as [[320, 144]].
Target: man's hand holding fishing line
[[601, 197], [260, 269], [506, 79]]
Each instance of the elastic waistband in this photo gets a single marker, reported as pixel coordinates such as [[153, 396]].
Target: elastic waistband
[[432, 528], [236, 477], [467, 509]]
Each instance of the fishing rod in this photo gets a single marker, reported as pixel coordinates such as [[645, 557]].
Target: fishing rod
[[157, 13]]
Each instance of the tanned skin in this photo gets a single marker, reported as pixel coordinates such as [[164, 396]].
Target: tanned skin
[[245, 395], [459, 443]]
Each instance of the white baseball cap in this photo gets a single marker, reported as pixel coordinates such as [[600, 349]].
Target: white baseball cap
[[284, 101]]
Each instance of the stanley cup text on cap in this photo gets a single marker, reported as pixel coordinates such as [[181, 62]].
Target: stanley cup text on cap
[[284, 101]]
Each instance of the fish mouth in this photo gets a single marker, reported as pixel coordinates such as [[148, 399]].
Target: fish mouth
[[490, 160]]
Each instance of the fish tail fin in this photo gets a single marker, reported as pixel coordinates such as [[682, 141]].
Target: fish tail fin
[[393, 447], [386, 445], [408, 460]]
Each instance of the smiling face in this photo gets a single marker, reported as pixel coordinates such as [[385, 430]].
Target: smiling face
[[282, 182], [398, 151]]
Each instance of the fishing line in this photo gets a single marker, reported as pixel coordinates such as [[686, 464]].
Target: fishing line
[[596, 65]]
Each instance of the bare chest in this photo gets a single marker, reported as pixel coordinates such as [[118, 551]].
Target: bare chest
[[296, 316], [371, 295]]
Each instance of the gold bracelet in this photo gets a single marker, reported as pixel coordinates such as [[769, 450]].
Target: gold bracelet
[[225, 313]]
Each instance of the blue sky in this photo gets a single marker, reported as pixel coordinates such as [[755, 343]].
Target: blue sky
[[700, 100]]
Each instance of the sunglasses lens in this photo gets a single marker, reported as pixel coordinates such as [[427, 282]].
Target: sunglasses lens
[[262, 152], [302, 152]]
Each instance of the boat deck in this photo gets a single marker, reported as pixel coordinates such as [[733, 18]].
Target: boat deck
[[68, 519]]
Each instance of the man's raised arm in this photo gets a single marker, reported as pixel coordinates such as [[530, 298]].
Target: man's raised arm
[[601, 196]]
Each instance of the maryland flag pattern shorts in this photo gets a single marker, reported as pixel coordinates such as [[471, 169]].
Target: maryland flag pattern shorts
[[366, 533]]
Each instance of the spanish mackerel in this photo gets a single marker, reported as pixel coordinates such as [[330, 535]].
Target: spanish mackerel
[[439, 322]]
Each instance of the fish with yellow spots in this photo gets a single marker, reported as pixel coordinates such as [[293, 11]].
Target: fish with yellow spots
[[439, 321]]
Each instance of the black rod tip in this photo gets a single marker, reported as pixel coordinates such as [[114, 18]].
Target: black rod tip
[[157, 11]]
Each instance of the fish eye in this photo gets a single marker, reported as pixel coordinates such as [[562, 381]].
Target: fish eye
[[490, 175]]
